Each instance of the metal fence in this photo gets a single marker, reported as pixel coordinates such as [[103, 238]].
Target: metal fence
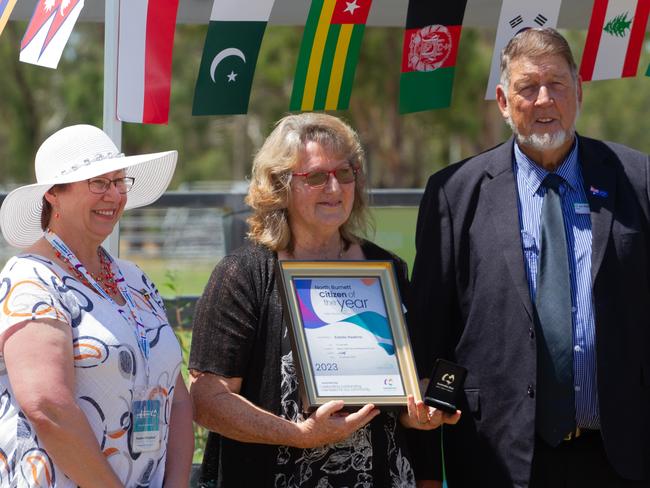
[[197, 226], [200, 224]]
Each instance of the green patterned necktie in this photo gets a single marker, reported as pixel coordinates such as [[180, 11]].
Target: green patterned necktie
[[555, 416]]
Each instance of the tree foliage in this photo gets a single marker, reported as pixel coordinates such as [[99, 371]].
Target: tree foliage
[[402, 150]]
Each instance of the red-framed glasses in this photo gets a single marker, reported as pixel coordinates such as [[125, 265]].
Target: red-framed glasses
[[315, 179]]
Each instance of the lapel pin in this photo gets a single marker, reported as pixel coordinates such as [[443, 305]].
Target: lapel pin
[[598, 193]]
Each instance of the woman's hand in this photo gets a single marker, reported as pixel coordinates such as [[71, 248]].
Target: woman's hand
[[422, 417], [328, 424], [219, 407]]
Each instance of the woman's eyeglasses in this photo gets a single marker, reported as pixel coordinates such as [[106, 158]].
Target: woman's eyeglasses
[[316, 179], [101, 185]]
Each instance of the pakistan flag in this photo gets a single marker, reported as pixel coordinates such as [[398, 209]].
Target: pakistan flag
[[229, 57]]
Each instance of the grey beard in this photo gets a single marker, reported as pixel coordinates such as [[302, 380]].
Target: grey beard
[[542, 142], [545, 141]]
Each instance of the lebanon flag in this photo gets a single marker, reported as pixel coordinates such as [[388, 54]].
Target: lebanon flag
[[615, 39], [329, 53], [48, 31], [6, 6], [144, 63], [429, 55], [518, 15], [232, 45]]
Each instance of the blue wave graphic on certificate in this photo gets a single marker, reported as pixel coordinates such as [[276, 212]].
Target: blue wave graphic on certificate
[[356, 301]]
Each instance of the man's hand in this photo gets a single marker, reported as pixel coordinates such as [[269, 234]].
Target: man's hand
[[422, 417]]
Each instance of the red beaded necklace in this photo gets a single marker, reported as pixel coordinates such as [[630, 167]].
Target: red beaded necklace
[[105, 279]]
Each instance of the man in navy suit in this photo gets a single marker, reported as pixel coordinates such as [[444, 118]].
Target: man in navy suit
[[498, 290]]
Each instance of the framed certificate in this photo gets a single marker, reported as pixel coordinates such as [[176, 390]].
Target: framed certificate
[[348, 333]]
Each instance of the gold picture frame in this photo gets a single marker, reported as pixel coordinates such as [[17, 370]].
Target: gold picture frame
[[348, 333]]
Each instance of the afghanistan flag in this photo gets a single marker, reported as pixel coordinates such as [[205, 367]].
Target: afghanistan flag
[[328, 54], [615, 38], [229, 56], [429, 56]]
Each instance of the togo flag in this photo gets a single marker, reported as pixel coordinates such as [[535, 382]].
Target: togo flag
[[144, 67], [429, 55], [233, 42], [6, 6], [329, 52], [517, 15], [48, 31], [615, 38]]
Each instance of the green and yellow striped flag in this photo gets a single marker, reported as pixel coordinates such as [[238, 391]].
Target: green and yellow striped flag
[[328, 54]]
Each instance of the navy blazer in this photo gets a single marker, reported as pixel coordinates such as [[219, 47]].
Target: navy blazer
[[471, 304]]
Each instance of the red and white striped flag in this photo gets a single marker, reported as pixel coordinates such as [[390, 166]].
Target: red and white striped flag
[[144, 67], [615, 39]]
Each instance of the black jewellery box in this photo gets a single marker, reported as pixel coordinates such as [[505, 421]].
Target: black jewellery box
[[445, 386]]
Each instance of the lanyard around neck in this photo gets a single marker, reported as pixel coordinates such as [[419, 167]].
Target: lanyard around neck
[[141, 334]]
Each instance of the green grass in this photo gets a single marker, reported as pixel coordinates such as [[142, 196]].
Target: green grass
[[395, 230], [176, 278]]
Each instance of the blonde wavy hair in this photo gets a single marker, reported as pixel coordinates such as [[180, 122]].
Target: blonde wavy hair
[[270, 187]]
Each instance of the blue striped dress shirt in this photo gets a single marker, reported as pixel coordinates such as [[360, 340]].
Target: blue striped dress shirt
[[577, 224]]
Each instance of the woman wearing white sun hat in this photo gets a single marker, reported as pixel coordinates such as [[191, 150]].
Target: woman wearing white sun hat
[[90, 386]]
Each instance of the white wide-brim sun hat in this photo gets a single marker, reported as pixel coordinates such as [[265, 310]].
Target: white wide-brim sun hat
[[77, 153]]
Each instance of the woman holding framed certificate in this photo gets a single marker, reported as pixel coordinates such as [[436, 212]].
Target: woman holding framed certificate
[[308, 202]]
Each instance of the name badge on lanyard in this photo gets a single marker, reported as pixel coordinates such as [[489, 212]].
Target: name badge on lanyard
[[146, 408], [147, 401]]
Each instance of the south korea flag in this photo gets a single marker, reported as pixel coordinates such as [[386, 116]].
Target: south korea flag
[[517, 15]]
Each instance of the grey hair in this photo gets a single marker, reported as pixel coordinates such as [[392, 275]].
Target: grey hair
[[535, 43]]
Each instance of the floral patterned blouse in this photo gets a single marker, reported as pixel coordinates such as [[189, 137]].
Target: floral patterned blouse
[[108, 366]]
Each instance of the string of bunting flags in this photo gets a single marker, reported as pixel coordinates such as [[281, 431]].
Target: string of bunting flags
[[329, 51]]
